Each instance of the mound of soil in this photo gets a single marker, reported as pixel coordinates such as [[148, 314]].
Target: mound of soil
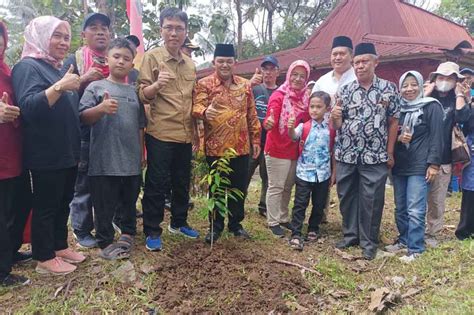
[[233, 277]]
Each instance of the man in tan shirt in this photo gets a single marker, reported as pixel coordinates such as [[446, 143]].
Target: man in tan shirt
[[166, 82]]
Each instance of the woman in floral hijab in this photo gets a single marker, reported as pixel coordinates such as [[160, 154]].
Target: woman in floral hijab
[[281, 153]]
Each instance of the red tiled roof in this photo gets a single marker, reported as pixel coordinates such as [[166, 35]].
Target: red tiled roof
[[398, 30]]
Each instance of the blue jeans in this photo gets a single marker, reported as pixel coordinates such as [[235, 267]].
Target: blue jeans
[[410, 201], [82, 219]]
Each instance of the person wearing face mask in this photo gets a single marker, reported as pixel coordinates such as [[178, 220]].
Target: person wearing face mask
[[417, 158], [452, 95]]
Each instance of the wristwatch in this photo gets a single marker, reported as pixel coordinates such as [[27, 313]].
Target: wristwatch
[[58, 88]]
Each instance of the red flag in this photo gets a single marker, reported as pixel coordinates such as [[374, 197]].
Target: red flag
[[134, 13]]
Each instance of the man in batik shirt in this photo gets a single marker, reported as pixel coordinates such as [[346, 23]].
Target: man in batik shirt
[[366, 115], [226, 105]]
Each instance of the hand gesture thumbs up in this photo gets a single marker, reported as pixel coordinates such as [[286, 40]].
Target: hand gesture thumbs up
[[291, 121], [5, 98], [336, 112], [164, 76], [70, 81], [270, 121], [162, 66], [257, 78], [8, 113], [109, 105], [71, 69]]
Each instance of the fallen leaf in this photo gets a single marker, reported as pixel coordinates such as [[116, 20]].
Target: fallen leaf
[[398, 281], [382, 298], [377, 297], [344, 255], [339, 294], [6, 296], [125, 273], [147, 268], [295, 306], [411, 292]]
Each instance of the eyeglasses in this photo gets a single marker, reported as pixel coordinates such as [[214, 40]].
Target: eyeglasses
[[178, 29]]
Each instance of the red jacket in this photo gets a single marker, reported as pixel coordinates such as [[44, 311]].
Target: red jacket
[[10, 133], [280, 145]]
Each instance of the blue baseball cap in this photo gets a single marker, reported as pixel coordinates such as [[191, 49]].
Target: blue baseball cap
[[95, 16], [467, 71], [271, 60]]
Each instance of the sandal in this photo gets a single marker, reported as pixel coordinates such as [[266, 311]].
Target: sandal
[[296, 243], [312, 236], [114, 251], [126, 241]]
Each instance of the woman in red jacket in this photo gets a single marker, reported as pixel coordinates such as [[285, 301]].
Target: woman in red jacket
[[281, 153], [10, 168]]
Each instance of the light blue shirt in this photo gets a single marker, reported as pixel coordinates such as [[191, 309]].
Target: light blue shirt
[[314, 163]]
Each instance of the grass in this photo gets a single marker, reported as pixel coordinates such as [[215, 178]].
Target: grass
[[444, 275]]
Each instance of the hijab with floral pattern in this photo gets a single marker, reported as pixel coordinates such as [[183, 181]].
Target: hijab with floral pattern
[[294, 101], [38, 35]]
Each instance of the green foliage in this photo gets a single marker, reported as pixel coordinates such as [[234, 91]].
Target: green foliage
[[291, 35], [220, 187], [459, 11]]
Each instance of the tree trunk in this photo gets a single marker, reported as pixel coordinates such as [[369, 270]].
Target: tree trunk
[[270, 27], [238, 8]]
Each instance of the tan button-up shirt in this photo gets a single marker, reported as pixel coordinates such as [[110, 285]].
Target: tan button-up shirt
[[170, 110]]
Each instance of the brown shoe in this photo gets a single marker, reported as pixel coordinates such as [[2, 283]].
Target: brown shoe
[[55, 266], [70, 256]]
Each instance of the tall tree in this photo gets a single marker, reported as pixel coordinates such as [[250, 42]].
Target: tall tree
[[459, 11]]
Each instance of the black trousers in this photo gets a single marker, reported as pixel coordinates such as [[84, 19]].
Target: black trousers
[[238, 179], [15, 206], [52, 193], [111, 194], [318, 192], [253, 163], [165, 160], [361, 191], [465, 227]]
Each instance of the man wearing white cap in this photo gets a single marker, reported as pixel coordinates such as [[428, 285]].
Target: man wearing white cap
[[445, 87]]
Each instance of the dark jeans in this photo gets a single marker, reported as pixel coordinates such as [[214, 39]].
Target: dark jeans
[[165, 160], [465, 227], [111, 194], [15, 206], [238, 179], [318, 192], [52, 193], [361, 192], [253, 163], [82, 219]]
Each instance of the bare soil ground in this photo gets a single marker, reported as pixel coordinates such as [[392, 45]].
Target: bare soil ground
[[244, 277]]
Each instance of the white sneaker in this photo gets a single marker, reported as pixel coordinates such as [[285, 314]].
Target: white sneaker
[[409, 258]]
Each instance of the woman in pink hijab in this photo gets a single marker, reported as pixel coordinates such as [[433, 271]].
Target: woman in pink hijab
[[51, 138], [281, 152]]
